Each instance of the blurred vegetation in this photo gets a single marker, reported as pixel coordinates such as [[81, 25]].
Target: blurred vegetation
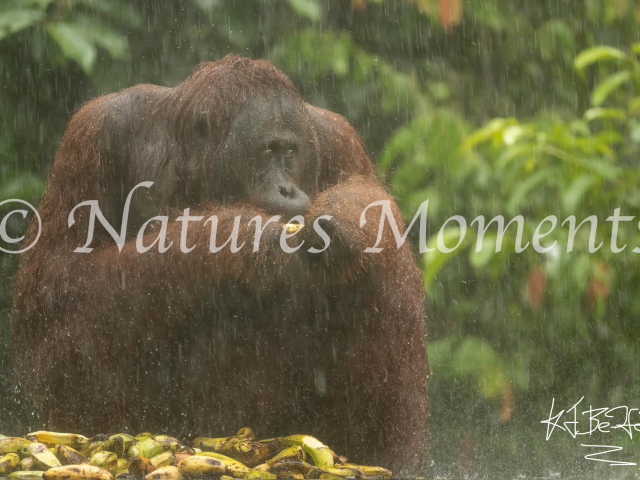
[[484, 108]]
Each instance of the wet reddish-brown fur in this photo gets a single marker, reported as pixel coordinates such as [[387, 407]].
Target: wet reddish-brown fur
[[82, 321]]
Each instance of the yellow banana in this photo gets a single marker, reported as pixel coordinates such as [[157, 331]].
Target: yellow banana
[[27, 475], [321, 454], [147, 448], [291, 453], [201, 466], [9, 463], [69, 456], [164, 473], [43, 457], [51, 438], [233, 467], [368, 471], [106, 460], [15, 445], [77, 472], [165, 459]]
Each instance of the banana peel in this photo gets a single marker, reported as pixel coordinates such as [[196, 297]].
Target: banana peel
[[9, 463], [321, 455], [77, 472], [43, 457], [291, 453], [52, 438], [165, 473], [69, 456]]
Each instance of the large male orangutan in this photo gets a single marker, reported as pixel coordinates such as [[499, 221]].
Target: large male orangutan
[[330, 343]]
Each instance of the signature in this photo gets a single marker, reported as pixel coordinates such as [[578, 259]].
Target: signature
[[595, 420]]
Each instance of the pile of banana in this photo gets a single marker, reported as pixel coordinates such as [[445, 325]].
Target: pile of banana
[[66, 456]]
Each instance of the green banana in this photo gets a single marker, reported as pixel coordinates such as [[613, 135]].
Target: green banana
[[147, 448], [43, 457], [77, 472], [93, 447], [123, 465], [114, 444], [9, 463], [105, 460], [143, 436], [260, 475], [15, 445], [69, 456], [27, 475], [164, 459], [51, 438], [321, 454], [164, 473], [27, 464]]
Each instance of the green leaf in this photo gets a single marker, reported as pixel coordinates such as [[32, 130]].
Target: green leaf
[[74, 43], [521, 191], [597, 113], [16, 20], [306, 8], [435, 259], [597, 54], [572, 196], [118, 10], [607, 86], [485, 133], [103, 35], [487, 250]]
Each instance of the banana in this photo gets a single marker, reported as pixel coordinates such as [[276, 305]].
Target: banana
[[147, 448], [69, 456], [212, 463], [369, 471], [9, 463], [93, 447], [27, 464], [43, 457], [233, 467], [127, 439], [333, 473], [246, 434], [27, 475], [166, 441], [143, 436], [260, 475], [77, 472], [165, 459], [51, 438], [140, 466], [201, 466], [123, 465], [295, 469], [164, 473], [15, 445], [105, 460], [291, 453], [321, 454], [114, 444]]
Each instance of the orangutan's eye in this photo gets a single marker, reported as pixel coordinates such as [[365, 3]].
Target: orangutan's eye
[[289, 153]]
